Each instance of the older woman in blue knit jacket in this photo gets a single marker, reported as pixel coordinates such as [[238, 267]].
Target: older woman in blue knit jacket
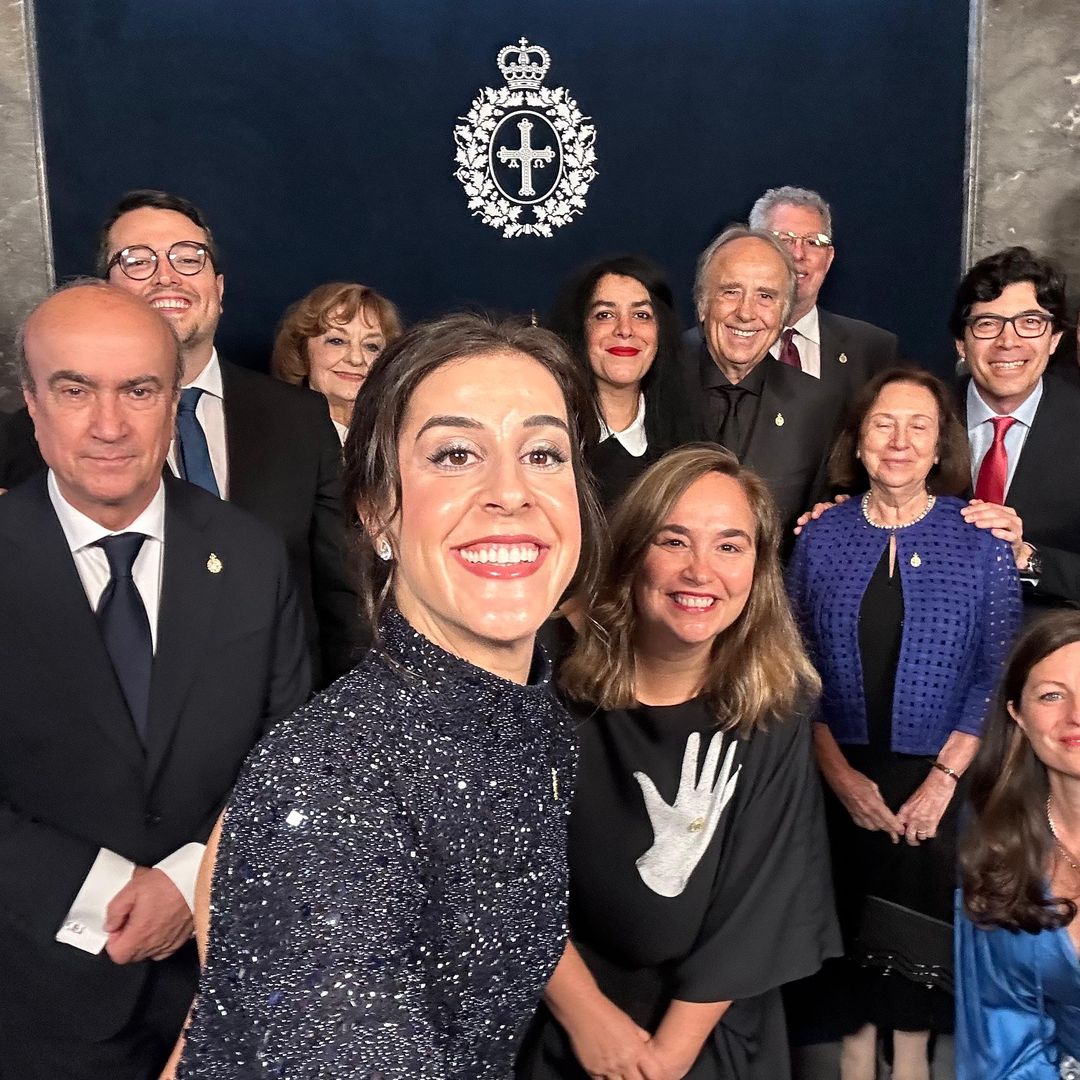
[[908, 612]]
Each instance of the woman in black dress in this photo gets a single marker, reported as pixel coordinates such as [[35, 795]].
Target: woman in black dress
[[698, 860], [617, 315]]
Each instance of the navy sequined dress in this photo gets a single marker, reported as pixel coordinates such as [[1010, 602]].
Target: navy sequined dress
[[390, 892]]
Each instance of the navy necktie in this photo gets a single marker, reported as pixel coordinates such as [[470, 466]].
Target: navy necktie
[[125, 627], [192, 453]]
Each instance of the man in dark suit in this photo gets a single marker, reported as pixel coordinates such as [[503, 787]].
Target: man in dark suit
[[268, 447], [151, 633], [840, 351], [1007, 319], [777, 419]]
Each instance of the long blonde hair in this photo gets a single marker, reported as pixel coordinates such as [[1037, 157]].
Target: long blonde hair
[[758, 666]]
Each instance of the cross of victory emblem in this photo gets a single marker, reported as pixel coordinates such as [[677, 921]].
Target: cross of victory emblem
[[525, 155]]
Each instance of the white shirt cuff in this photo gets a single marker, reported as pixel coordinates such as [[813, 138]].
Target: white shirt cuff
[[84, 924], [182, 868]]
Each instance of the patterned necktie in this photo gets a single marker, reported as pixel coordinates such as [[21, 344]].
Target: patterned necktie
[[990, 486], [192, 452], [125, 627], [789, 351]]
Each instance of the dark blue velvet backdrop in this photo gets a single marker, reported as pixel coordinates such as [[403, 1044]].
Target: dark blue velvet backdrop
[[318, 137]]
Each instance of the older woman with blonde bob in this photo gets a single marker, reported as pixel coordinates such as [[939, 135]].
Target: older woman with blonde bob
[[699, 880], [329, 340], [908, 612]]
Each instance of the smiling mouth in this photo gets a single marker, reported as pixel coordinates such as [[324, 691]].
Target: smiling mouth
[[623, 350], [1006, 365], [503, 557], [170, 303], [693, 601], [745, 334]]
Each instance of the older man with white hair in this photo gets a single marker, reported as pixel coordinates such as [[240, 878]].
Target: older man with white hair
[[838, 350]]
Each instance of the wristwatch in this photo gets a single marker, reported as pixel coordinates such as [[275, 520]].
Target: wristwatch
[[1033, 571]]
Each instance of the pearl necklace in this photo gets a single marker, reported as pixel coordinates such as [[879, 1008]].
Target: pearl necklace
[[930, 500], [1053, 832]]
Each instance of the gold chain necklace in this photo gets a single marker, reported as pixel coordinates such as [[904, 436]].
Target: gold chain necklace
[[1060, 846], [930, 500]]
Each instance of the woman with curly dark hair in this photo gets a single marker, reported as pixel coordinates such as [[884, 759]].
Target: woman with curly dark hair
[[617, 315], [1017, 935]]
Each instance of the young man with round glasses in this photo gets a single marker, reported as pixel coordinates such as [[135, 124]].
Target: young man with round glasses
[[1007, 319]]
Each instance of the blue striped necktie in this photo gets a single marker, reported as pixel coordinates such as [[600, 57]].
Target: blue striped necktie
[[192, 452]]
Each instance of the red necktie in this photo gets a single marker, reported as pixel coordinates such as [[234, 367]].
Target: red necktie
[[990, 486], [789, 352]]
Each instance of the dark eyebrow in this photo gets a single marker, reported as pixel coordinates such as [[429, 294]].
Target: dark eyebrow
[[724, 534], [71, 376], [141, 380], [450, 421], [611, 303], [544, 420]]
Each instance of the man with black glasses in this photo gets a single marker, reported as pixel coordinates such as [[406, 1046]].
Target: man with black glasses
[[1008, 317]]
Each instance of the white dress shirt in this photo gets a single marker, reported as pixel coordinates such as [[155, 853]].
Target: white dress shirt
[[210, 412], [633, 438], [341, 429], [83, 925], [981, 431], [807, 338]]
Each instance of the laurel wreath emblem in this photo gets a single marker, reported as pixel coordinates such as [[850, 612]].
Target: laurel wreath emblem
[[473, 140]]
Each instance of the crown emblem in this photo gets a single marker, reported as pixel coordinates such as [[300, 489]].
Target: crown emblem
[[524, 72]]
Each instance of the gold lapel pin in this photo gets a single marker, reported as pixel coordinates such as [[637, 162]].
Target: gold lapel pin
[[213, 564], [842, 358], [916, 561], [779, 421]]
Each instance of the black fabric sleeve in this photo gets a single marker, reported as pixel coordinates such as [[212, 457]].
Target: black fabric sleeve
[[771, 919]]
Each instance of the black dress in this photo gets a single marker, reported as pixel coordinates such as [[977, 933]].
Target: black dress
[[390, 893], [901, 985], [693, 898], [615, 468]]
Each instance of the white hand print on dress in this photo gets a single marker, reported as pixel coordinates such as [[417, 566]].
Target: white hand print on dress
[[682, 831]]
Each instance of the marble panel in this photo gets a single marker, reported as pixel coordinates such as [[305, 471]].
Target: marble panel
[[25, 243], [1024, 155]]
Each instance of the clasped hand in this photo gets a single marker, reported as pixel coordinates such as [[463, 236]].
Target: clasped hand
[[148, 919], [917, 820], [613, 1047]]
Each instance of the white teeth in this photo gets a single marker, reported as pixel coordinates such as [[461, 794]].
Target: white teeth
[[1006, 365], [166, 303], [742, 333], [502, 554], [683, 600]]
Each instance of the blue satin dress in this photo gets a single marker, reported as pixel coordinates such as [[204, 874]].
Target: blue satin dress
[[1017, 1004]]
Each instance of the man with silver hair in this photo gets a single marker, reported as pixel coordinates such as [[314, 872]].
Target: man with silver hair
[[838, 350], [776, 419]]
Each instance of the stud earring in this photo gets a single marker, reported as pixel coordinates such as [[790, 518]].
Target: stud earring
[[383, 550]]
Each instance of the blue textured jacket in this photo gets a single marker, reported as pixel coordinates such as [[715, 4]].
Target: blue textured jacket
[[961, 613]]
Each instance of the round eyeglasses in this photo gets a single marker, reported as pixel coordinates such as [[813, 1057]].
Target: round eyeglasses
[[140, 261], [815, 240], [1028, 324]]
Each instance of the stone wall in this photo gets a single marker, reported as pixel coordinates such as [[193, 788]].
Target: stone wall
[[1024, 153], [25, 243]]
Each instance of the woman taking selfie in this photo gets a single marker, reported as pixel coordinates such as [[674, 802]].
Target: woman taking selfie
[[389, 891]]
